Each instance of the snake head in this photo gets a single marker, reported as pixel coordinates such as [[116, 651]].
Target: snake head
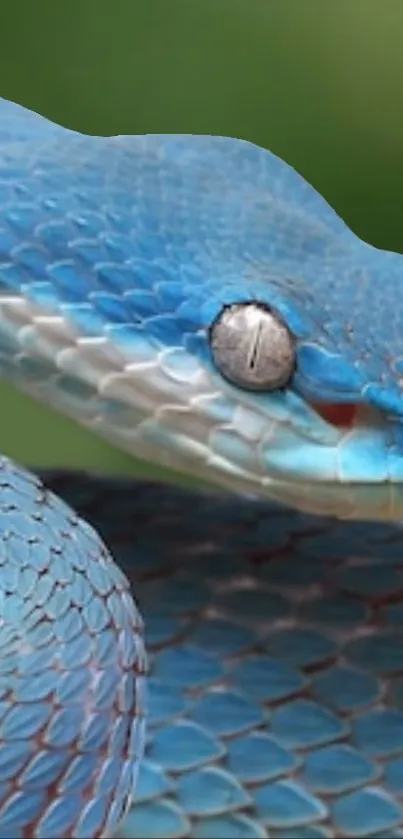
[[195, 301], [328, 438]]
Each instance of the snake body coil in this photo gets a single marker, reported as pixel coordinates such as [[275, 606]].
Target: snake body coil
[[71, 670]]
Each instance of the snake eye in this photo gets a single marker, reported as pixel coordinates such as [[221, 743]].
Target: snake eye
[[252, 347]]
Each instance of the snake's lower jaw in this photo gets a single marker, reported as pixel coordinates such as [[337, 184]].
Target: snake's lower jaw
[[346, 461], [342, 468], [363, 502]]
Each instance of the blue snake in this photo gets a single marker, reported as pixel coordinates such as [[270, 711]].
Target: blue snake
[[196, 302]]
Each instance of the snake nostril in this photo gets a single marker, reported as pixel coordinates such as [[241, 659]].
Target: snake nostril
[[342, 416]]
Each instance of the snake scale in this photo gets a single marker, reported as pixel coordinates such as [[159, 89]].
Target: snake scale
[[195, 302]]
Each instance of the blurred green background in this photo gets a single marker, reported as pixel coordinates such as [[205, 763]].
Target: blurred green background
[[317, 82]]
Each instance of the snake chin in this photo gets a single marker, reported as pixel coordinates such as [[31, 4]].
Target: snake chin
[[360, 477]]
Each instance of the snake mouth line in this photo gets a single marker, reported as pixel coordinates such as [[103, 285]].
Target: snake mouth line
[[341, 416]]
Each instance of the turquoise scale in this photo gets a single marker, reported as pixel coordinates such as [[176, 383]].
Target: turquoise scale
[[72, 667], [275, 696]]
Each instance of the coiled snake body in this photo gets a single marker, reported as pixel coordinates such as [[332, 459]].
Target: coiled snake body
[[193, 300]]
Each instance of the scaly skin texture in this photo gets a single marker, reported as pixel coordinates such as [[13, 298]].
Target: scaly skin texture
[[72, 667], [275, 700], [117, 254], [275, 697]]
